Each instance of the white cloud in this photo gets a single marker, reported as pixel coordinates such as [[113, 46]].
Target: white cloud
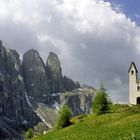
[[117, 7], [94, 39]]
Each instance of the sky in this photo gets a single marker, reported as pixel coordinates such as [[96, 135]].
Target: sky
[[96, 40], [129, 7]]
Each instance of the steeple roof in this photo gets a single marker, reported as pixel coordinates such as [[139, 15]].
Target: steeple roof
[[133, 64]]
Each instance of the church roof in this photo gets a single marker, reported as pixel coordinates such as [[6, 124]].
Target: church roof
[[133, 64]]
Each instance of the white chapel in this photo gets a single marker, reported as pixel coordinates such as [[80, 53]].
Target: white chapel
[[134, 85]]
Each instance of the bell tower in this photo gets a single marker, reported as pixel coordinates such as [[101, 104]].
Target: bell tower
[[134, 87]]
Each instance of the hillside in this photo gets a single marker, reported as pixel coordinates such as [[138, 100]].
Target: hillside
[[122, 123]]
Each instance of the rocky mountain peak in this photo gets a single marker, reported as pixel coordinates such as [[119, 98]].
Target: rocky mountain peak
[[33, 57], [13, 61], [53, 63], [34, 74], [54, 71], [32, 51]]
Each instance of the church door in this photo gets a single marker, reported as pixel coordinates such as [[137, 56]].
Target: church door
[[138, 100]]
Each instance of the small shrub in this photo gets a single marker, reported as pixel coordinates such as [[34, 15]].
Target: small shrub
[[64, 117], [29, 133]]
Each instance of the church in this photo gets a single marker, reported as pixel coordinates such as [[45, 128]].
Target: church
[[134, 85]]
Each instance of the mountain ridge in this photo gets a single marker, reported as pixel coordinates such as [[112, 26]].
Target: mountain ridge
[[32, 92]]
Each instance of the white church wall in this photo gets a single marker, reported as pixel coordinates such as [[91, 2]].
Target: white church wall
[[133, 93]]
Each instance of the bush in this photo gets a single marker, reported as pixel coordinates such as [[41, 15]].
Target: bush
[[64, 117], [29, 133], [101, 103]]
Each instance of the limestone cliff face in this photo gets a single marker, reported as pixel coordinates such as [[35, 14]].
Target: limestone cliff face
[[9, 129], [34, 75], [79, 100], [13, 104], [12, 93], [54, 72]]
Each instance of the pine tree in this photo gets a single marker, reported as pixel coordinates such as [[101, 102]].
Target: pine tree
[[101, 103], [64, 117]]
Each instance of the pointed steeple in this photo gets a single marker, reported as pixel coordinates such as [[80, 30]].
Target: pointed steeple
[[133, 65]]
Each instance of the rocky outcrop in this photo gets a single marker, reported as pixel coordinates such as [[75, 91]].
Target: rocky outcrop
[[9, 130], [57, 82], [54, 72], [79, 101], [34, 75], [69, 84], [13, 104], [40, 80]]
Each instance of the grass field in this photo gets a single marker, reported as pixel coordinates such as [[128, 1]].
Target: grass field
[[123, 123]]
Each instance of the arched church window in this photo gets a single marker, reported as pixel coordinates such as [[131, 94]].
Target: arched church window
[[132, 72], [138, 88]]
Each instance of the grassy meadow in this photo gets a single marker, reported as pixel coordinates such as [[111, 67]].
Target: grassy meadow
[[122, 123]]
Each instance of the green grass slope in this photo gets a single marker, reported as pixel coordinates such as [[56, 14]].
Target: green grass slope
[[122, 124]]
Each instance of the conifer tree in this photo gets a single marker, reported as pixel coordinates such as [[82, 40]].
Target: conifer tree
[[101, 103], [64, 117]]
